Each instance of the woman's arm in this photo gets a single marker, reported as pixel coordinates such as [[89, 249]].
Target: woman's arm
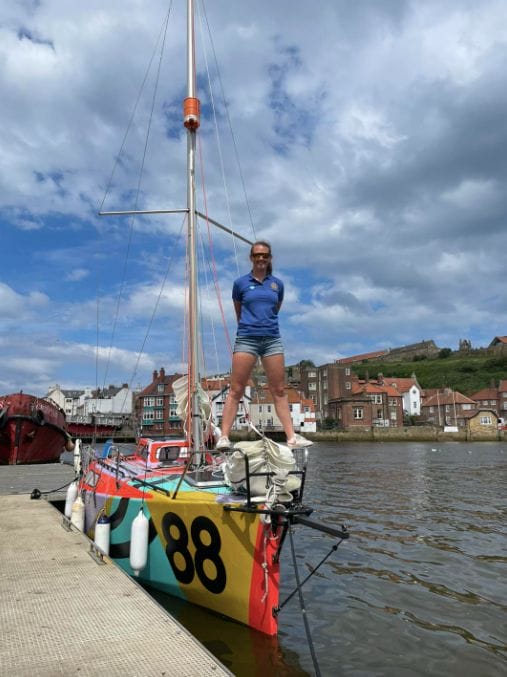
[[237, 308]]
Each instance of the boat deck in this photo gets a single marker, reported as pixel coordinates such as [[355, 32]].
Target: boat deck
[[62, 613]]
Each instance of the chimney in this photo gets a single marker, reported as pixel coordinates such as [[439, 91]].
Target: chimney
[[162, 373], [155, 375]]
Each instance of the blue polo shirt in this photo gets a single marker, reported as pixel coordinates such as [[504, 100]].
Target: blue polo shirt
[[259, 305]]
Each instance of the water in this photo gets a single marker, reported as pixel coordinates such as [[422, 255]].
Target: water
[[420, 588]]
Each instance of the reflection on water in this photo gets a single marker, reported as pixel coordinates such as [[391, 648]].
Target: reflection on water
[[420, 588]]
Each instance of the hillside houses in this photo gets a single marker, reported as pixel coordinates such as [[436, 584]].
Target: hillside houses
[[156, 406], [327, 396], [447, 408]]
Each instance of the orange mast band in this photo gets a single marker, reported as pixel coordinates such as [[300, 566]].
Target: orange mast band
[[191, 112]]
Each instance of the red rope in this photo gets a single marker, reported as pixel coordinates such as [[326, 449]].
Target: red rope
[[212, 256]]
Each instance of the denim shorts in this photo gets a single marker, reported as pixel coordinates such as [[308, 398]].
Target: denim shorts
[[261, 346]]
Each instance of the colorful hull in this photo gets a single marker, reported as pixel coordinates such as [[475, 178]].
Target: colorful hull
[[32, 430], [199, 550]]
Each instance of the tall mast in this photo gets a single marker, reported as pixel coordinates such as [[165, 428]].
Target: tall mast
[[191, 109]]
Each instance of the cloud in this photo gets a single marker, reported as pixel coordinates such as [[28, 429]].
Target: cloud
[[372, 159]]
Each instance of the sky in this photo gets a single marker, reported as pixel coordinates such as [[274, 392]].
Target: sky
[[366, 141]]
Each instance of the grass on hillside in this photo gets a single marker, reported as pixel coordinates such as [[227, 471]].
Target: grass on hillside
[[464, 373]]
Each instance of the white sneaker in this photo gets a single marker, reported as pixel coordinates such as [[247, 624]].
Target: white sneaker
[[298, 442], [223, 443]]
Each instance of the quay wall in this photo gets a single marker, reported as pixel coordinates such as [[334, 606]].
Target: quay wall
[[409, 433]]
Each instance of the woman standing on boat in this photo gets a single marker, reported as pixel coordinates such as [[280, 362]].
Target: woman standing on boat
[[257, 299]]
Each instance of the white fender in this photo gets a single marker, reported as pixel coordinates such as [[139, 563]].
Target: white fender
[[78, 514], [77, 456], [70, 498], [102, 533], [139, 543]]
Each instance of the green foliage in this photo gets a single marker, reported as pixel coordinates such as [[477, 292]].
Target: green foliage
[[445, 352], [328, 424], [306, 363], [467, 373]]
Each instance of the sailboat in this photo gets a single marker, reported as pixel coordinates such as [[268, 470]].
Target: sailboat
[[204, 527]]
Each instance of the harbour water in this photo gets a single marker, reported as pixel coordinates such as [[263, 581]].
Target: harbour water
[[420, 588]]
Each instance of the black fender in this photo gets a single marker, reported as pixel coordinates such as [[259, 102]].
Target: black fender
[[39, 417], [3, 416]]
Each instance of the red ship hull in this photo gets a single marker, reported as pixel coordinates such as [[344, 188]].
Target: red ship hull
[[32, 430]]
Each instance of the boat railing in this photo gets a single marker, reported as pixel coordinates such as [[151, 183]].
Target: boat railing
[[271, 477]]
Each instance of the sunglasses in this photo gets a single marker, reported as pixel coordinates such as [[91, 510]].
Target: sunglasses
[[261, 256]]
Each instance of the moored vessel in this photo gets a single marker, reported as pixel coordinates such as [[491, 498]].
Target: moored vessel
[[203, 525], [32, 430]]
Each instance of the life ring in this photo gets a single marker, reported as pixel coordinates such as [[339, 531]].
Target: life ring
[[3, 417], [39, 417]]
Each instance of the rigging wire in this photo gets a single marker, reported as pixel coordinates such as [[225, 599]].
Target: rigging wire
[[303, 608], [155, 309], [161, 40], [212, 257], [219, 147], [226, 108], [208, 296], [163, 32]]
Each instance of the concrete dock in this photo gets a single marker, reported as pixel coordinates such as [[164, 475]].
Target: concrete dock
[[62, 613]]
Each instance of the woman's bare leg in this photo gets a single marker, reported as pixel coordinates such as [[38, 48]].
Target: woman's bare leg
[[274, 367], [242, 367]]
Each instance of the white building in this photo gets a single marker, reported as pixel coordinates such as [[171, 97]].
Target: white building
[[264, 417], [85, 405], [410, 392], [218, 389]]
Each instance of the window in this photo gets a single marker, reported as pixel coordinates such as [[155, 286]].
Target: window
[[260, 408], [312, 374], [312, 386], [431, 410], [159, 415], [466, 406], [393, 402], [347, 371], [376, 399], [160, 387], [485, 420], [348, 385], [393, 416], [149, 401], [148, 416], [159, 402], [268, 408], [358, 413]]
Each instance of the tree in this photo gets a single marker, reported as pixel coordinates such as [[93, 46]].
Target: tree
[[445, 352]]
